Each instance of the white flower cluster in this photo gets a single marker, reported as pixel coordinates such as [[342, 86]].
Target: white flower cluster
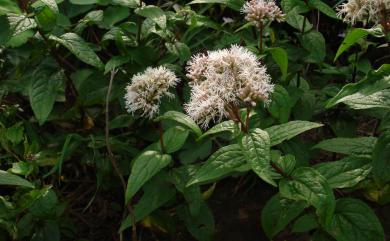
[[259, 11], [223, 78], [146, 90], [364, 11]]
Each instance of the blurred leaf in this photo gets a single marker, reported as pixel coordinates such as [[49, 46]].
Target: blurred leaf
[[11, 179], [305, 223], [359, 147], [278, 213], [144, 168], [314, 42], [309, 185], [154, 13], [381, 158], [79, 48], [20, 23], [280, 107], [354, 220], [43, 92], [281, 58], [323, 7], [233, 4]]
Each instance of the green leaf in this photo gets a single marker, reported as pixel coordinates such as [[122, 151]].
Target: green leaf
[[309, 185], [298, 21], [116, 62], [226, 126], [358, 147], [298, 6], [174, 138], [156, 193], [221, 163], [5, 31], [256, 147], [79, 48], [281, 58], [144, 168], [20, 23], [305, 224], [84, 2], [280, 107], [280, 133], [323, 7], [369, 93], [277, 213], [11, 179], [8, 6], [43, 91], [45, 206], [182, 119], [46, 18], [202, 226], [346, 172], [381, 158], [354, 220], [233, 4], [154, 13], [314, 42], [353, 37], [127, 3], [15, 133]]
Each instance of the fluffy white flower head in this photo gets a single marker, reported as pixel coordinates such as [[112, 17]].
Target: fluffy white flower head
[[365, 11], [223, 78], [146, 90], [260, 11]]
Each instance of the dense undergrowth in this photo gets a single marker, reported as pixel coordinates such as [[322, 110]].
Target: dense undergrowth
[[279, 111]]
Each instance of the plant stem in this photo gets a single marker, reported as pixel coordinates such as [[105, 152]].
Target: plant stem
[[248, 110], [161, 138], [261, 38], [111, 155], [139, 26], [279, 170]]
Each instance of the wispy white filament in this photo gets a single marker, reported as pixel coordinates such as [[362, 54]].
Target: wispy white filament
[[146, 90], [364, 11], [225, 77], [260, 11]]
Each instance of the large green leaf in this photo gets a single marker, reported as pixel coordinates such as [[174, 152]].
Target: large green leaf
[[277, 213], [354, 220], [281, 58], [43, 91], [323, 7], [226, 126], [280, 107], [156, 193], [359, 147], [381, 158], [368, 93], [256, 148], [298, 21], [11, 179], [79, 48], [182, 119], [144, 168], [280, 133], [233, 4], [346, 172], [221, 163], [154, 13], [174, 138], [309, 185], [314, 42], [353, 37]]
